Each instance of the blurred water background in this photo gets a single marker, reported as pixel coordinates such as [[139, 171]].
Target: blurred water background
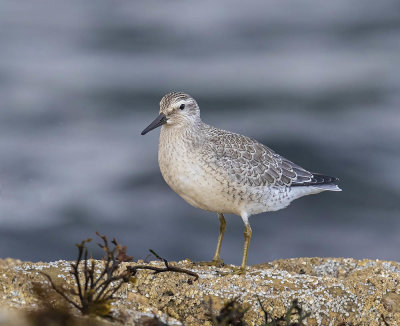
[[319, 82]]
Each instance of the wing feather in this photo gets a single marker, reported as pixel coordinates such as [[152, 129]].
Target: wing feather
[[247, 161]]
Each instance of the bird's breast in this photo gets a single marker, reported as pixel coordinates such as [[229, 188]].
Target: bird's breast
[[186, 174], [180, 170]]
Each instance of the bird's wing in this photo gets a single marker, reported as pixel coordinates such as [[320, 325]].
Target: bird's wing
[[246, 161]]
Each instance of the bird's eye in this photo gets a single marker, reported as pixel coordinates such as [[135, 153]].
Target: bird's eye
[[182, 106]]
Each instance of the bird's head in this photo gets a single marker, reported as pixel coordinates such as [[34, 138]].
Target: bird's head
[[175, 109]]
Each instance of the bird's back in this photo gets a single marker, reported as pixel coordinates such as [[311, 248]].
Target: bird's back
[[249, 162], [256, 173]]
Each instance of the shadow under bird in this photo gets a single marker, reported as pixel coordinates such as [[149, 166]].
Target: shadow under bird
[[224, 172]]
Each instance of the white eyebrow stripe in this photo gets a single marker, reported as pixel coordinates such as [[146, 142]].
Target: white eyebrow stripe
[[179, 103]]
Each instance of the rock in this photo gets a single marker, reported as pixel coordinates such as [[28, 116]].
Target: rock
[[335, 291]]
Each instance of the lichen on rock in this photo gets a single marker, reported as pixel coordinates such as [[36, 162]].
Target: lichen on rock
[[333, 290]]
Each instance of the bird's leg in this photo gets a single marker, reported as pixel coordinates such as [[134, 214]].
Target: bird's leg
[[217, 261], [222, 227], [247, 238]]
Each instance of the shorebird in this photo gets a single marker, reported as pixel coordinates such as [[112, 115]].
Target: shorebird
[[224, 172]]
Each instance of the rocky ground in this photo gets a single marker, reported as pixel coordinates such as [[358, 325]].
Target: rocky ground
[[335, 291]]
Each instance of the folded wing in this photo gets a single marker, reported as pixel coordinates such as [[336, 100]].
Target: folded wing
[[251, 163]]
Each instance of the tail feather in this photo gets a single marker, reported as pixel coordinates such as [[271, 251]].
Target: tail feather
[[320, 181], [328, 186]]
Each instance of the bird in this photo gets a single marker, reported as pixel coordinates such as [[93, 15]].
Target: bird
[[225, 172]]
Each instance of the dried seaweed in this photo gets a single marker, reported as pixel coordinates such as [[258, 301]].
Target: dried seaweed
[[52, 312], [384, 320], [168, 268], [295, 310], [97, 283], [150, 321], [231, 314], [95, 292]]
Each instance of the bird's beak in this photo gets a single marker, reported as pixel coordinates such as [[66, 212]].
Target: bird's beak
[[159, 121]]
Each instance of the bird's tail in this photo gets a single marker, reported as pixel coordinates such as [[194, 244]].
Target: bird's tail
[[324, 182], [319, 181]]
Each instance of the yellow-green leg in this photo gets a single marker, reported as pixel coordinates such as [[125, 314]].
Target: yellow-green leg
[[222, 227], [247, 238], [217, 261]]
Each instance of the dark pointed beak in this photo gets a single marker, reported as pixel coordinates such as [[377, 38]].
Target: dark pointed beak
[[159, 121]]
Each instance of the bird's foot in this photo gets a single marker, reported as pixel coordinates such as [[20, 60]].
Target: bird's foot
[[238, 270], [215, 262]]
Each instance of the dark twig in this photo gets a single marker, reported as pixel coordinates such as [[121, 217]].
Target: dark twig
[[266, 315], [168, 268], [294, 309], [231, 314], [60, 292], [384, 320], [95, 293]]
